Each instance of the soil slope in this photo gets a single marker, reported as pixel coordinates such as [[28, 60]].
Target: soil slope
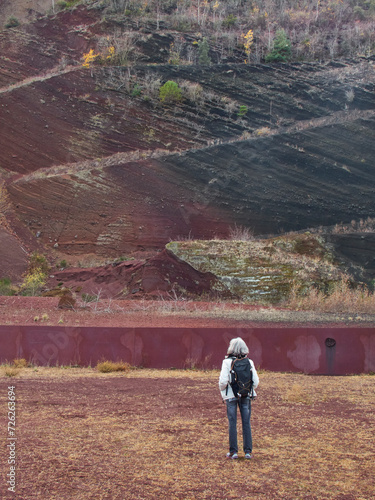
[[116, 206], [94, 163], [13, 262]]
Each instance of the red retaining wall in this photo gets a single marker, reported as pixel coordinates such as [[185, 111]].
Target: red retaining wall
[[329, 351]]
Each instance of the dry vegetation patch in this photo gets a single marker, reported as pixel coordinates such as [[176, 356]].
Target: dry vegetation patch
[[110, 366], [163, 434], [173, 313]]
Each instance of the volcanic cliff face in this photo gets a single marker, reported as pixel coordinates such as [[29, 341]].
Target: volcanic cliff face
[[116, 206], [94, 162], [23, 10]]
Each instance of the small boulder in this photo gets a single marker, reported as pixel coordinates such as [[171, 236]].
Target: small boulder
[[67, 302]]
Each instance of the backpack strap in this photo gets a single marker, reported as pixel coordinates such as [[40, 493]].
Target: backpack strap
[[231, 368], [252, 385]]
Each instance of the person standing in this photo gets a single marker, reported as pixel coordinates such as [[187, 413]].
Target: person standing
[[237, 350]]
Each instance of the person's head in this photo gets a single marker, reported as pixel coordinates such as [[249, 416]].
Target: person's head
[[237, 347]]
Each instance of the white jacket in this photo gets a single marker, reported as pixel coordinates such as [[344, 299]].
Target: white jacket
[[225, 378]]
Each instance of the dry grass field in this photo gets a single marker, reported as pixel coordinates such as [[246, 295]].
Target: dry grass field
[[155, 434], [44, 311]]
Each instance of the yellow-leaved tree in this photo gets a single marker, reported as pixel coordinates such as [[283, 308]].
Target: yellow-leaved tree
[[248, 42], [36, 276], [89, 58]]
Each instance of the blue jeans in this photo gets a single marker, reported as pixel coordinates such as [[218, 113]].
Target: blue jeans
[[245, 410]]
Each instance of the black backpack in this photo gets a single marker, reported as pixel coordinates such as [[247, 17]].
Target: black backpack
[[241, 378]]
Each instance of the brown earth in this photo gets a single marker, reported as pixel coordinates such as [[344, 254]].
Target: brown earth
[[167, 313], [14, 257], [161, 290], [140, 200], [163, 434], [37, 47], [23, 10], [92, 167], [160, 276]]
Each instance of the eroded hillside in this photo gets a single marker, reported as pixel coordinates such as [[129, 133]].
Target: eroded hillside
[[96, 163]]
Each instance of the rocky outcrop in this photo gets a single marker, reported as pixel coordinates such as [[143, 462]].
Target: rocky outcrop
[[356, 251], [95, 163], [163, 275], [272, 184], [74, 116]]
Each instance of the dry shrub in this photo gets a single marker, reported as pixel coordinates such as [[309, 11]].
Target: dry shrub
[[151, 85], [111, 366], [4, 200], [297, 394], [193, 91], [10, 371], [343, 298], [263, 131], [240, 233], [4, 205], [20, 363], [361, 226]]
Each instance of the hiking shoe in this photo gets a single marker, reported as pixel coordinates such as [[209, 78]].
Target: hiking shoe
[[232, 455], [248, 456]]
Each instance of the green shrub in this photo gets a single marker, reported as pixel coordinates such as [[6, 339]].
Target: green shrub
[[282, 49], [86, 297], [229, 21], [242, 111], [6, 287], [12, 22], [38, 261], [136, 91], [203, 49], [359, 13], [170, 92], [67, 4], [174, 55]]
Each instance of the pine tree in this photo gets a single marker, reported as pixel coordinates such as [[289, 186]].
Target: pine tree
[[203, 48], [170, 92], [282, 48]]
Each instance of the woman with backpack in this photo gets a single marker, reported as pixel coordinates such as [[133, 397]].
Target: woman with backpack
[[237, 381]]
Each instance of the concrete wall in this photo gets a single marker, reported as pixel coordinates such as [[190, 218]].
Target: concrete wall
[[330, 351]]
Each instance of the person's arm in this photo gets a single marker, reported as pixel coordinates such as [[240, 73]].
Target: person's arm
[[255, 375], [224, 375]]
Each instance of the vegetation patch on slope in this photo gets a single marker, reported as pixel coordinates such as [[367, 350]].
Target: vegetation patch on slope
[[265, 270]]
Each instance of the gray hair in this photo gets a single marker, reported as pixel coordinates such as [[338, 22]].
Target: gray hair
[[237, 347]]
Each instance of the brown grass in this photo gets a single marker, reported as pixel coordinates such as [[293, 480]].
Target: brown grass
[[341, 299], [20, 363], [4, 205], [111, 366], [86, 435], [11, 371], [297, 394], [361, 226], [241, 233]]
